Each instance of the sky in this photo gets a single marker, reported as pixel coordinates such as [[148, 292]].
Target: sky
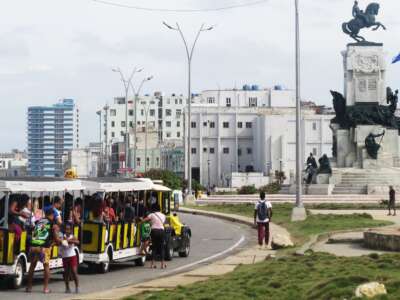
[[54, 49]]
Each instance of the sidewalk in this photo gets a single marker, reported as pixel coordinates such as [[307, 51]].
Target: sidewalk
[[250, 256]]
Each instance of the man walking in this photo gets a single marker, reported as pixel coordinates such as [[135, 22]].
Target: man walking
[[392, 201], [262, 217]]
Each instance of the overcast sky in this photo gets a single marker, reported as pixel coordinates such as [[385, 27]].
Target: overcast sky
[[53, 49]]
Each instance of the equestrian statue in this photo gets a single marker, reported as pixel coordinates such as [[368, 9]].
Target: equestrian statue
[[362, 20]]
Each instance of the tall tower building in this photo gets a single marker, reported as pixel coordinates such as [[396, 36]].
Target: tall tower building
[[52, 132]]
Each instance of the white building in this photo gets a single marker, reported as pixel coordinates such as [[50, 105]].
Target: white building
[[255, 133], [85, 161], [13, 164]]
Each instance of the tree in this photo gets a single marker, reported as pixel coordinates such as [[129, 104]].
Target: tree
[[170, 179]]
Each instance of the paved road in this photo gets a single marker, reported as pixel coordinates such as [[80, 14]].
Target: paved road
[[211, 237]]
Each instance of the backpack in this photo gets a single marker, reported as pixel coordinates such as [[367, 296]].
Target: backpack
[[262, 211], [41, 233], [146, 230]]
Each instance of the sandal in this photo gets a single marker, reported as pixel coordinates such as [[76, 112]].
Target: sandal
[[28, 290], [46, 291]]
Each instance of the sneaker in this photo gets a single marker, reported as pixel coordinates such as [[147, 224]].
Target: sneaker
[[76, 290], [68, 291]]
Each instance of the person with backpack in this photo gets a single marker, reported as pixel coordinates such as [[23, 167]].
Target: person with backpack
[[262, 217], [44, 236]]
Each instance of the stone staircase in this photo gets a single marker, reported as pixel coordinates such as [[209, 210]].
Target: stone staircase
[[360, 181]]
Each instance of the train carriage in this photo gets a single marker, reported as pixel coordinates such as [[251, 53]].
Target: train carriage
[[14, 262]]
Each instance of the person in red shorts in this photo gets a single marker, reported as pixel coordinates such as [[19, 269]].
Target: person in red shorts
[[69, 257]]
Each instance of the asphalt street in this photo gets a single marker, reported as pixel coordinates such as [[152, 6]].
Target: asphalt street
[[212, 239]]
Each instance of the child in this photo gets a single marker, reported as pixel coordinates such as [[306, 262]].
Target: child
[[145, 231], [69, 257]]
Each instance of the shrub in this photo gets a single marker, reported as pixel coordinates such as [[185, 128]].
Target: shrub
[[170, 179], [272, 188], [247, 190]]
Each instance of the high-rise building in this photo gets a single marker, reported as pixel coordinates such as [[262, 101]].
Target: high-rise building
[[52, 132]]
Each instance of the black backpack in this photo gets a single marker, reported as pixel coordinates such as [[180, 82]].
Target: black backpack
[[262, 211]]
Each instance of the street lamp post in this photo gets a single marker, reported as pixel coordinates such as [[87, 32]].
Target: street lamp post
[[299, 211], [100, 164], [136, 92], [189, 54], [105, 161], [209, 181], [127, 83]]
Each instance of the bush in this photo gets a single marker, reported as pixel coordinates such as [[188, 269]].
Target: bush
[[196, 186], [247, 190], [272, 188], [170, 179]]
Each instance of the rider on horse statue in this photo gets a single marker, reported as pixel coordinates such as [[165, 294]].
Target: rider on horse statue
[[362, 20]]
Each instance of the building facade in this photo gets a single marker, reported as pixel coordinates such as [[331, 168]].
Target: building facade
[[85, 161], [52, 132], [255, 134]]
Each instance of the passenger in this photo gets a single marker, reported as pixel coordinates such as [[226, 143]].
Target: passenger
[[97, 209], [56, 207], [45, 235], [69, 257], [15, 224], [25, 206], [37, 212], [129, 211], [77, 211], [109, 213], [157, 220], [141, 209]]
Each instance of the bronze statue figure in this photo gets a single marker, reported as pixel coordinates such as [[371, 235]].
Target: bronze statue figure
[[362, 20], [372, 146], [392, 99], [324, 165], [339, 104]]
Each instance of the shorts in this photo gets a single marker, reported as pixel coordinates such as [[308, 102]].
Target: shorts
[[42, 254], [392, 203], [71, 262]]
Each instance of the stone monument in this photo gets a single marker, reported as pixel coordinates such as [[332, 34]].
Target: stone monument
[[365, 129]]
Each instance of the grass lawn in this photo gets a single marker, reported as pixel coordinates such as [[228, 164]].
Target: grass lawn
[[301, 231], [314, 276]]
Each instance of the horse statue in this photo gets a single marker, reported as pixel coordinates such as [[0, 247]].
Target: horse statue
[[362, 20]]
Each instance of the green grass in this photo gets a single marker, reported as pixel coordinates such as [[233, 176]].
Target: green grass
[[301, 231], [314, 276]]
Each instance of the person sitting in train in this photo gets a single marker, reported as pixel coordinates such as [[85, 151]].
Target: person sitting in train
[[96, 213], [15, 224], [109, 213], [129, 210]]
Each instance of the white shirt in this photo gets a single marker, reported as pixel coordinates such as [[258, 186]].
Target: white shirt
[[67, 251], [268, 205]]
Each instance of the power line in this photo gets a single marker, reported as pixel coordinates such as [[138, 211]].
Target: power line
[[229, 7]]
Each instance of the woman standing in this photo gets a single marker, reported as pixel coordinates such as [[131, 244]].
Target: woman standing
[[157, 220]]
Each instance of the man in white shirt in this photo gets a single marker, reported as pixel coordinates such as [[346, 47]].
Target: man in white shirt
[[262, 217]]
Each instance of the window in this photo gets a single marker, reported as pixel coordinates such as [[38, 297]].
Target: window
[[130, 124], [253, 101], [168, 124], [205, 124], [180, 101], [168, 112], [239, 152], [212, 150], [193, 125], [123, 124], [138, 161], [249, 151], [168, 134], [178, 124], [131, 112], [314, 151], [212, 124], [314, 126], [176, 101], [122, 133], [205, 150], [152, 112], [112, 124], [225, 124], [226, 150], [194, 151], [228, 102], [240, 125], [178, 113], [148, 161], [211, 100], [112, 134], [157, 161], [113, 112], [142, 112], [178, 134], [249, 124]]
